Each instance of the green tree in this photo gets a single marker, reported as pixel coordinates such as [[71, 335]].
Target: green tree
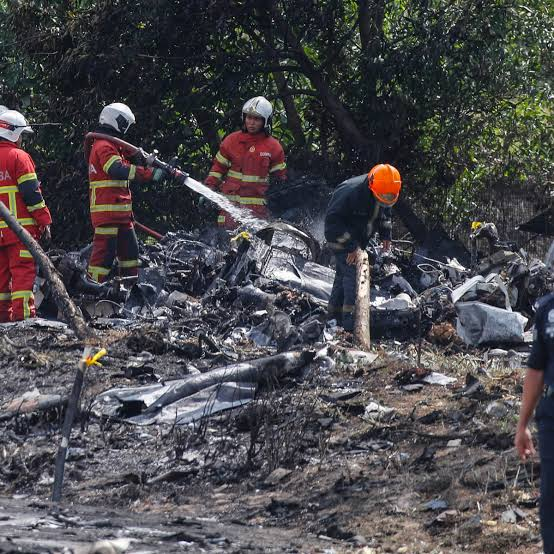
[[456, 93]]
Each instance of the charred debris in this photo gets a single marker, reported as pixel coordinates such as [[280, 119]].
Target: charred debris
[[221, 367], [254, 307]]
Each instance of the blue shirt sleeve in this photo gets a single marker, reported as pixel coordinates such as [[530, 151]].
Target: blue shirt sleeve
[[538, 356]]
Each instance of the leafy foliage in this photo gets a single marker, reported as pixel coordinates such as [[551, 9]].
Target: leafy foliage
[[456, 93]]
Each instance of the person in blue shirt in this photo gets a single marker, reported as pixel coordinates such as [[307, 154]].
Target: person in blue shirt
[[538, 392]]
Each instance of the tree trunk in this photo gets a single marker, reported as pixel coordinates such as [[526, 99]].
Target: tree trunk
[[70, 312], [294, 123], [293, 119], [346, 125], [364, 24], [370, 15], [413, 222], [343, 120], [361, 323]]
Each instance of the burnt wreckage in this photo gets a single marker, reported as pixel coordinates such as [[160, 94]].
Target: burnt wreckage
[[277, 282], [214, 321]]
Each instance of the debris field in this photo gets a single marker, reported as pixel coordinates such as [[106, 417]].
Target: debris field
[[229, 415]]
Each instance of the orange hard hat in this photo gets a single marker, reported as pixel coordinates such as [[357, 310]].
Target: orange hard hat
[[385, 183]]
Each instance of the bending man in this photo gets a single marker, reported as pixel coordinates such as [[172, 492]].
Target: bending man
[[358, 208]]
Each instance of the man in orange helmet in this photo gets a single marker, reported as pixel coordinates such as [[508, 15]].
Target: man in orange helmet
[[358, 208]]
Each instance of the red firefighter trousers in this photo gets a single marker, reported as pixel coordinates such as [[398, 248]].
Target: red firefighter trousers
[[111, 241], [17, 277]]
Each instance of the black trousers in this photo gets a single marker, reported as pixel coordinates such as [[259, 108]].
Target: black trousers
[[343, 294], [545, 422]]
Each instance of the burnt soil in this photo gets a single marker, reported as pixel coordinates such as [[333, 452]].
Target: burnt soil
[[300, 469]]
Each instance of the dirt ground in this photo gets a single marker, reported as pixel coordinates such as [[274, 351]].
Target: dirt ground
[[306, 467]]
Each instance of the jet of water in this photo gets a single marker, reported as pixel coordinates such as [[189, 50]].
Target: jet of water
[[242, 215]]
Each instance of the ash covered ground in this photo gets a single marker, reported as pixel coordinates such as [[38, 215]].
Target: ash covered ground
[[302, 443]]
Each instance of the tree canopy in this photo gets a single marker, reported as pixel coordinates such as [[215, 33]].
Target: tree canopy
[[456, 93]]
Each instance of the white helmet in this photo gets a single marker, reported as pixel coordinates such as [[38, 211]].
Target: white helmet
[[260, 107], [3, 109], [12, 124], [117, 115]]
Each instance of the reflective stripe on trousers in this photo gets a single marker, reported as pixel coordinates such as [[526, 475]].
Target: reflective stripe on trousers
[[17, 277], [113, 242]]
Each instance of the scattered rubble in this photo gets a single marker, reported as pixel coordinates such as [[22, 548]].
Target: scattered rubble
[[227, 397]]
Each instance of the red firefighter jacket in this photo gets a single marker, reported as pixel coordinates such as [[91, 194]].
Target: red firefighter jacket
[[245, 162], [20, 192], [109, 176]]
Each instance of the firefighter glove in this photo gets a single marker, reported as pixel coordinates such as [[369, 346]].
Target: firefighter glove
[[139, 157], [158, 175]]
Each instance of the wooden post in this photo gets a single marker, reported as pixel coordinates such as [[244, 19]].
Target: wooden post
[[72, 408], [70, 312], [361, 323]]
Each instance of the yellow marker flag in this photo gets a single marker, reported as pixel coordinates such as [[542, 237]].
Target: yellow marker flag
[[244, 235], [93, 360]]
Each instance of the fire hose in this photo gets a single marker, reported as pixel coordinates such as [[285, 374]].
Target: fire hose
[[129, 150]]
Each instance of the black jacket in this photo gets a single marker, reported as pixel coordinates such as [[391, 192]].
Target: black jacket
[[353, 216]]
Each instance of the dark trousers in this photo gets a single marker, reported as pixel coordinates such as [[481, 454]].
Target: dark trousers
[[545, 421], [343, 295], [111, 241]]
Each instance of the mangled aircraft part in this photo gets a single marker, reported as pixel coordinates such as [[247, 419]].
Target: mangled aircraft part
[[268, 232], [256, 371], [296, 273], [129, 404], [435, 378], [375, 411], [478, 288], [149, 401], [480, 323]]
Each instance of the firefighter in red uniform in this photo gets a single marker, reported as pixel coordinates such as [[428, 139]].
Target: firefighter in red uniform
[[20, 192], [111, 209], [246, 160]]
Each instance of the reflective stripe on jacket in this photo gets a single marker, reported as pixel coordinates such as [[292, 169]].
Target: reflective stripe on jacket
[[109, 176], [243, 164], [20, 192]]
